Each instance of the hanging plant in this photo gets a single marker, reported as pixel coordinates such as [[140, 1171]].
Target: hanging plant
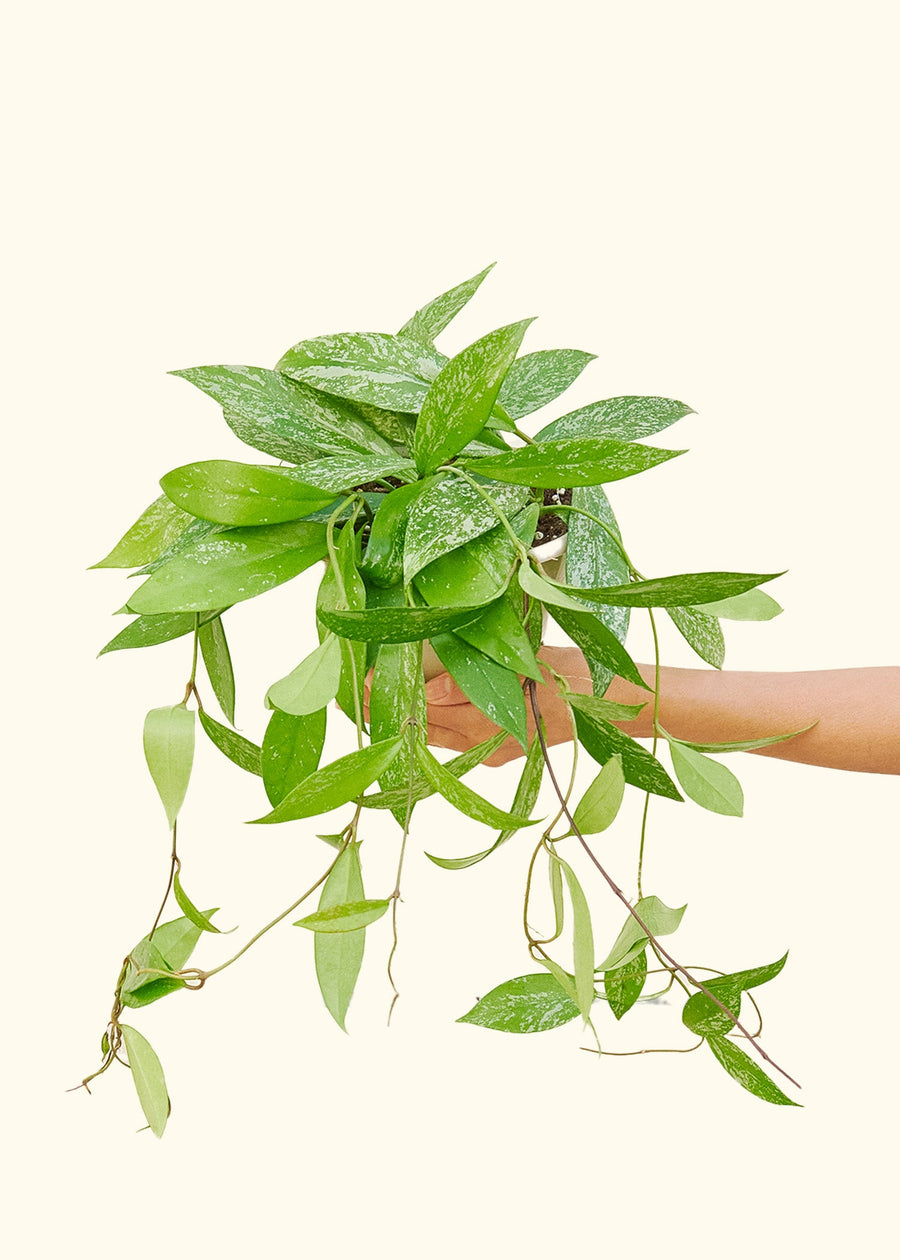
[[409, 474]]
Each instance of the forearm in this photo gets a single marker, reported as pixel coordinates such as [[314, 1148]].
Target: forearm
[[856, 711]]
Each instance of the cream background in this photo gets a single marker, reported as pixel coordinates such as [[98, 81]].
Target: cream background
[[704, 195]]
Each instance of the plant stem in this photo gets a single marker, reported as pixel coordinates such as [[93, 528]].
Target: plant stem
[[173, 863]]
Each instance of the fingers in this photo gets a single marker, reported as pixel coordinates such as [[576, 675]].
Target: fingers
[[442, 690]]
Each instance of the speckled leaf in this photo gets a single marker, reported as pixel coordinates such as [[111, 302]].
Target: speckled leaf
[[526, 1004], [623, 419], [459, 401], [661, 919], [587, 631], [750, 606], [154, 530], [336, 473], [231, 566], [389, 372], [282, 417], [602, 740], [157, 628], [495, 690], [706, 781], [169, 751], [335, 784], [462, 797], [701, 1015], [747, 1073], [449, 514], [342, 588], [537, 378], [236, 748], [350, 916], [382, 560], [217, 659], [196, 531], [702, 632], [608, 710], [682, 588], [600, 804], [744, 745], [398, 693], [149, 1081], [312, 684], [472, 574], [395, 625], [498, 632], [570, 462], [432, 318], [422, 789], [231, 493], [339, 955], [623, 985], [291, 750], [582, 940]]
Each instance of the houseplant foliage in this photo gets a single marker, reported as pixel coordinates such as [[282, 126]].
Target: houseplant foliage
[[411, 475]]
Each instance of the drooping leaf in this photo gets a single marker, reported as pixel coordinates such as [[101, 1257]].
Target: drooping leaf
[[342, 589], [661, 920], [339, 955], [538, 587], [745, 745], [243, 752], [570, 462], [583, 940], [587, 631], [155, 529], [746, 1072], [349, 916], [149, 1081], [217, 659], [459, 402], [537, 378], [683, 588], [335, 784], [702, 632], [624, 985], [462, 797], [602, 740], [750, 606], [157, 628], [231, 566], [705, 781], [421, 789], [190, 911], [492, 688], [448, 514], [312, 684], [526, 1004], [169, 751], [432, 318], [381, 369], [231, 493], [623, 419], [398, 694], [291, 750], [498, 632], [703, 1016], [396, 625], [600, 804], [608, 710]]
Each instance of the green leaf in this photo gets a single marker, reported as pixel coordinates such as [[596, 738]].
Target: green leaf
[[623, 419], [236, 748], [282, 417], [382, 560], [312, 685], [149, 1081], [169, 751], [462, 797], [537, 378], [191, 912], [460, 400], [291, 750], [339, 955], [343, 588], [140, 990], [395, 625], [217, 659], [432, 318], [231, 566], [398, 694], [661, 919], [538, 587], [705, 781], [750, 606], [338, 473], [498, 632], [702, 1016], [587, 631], [471, 574], [623, 985], [177, 939], [336, 783], [195, 533], [386, 371], [449, 514], [603, 740], [747, 1073], [583, 940], [745, 745], [156, 528], [600, 804], [157, 628], [523, 803], [526, 1004], [492, 688], [348, 917], [683, 588], [702, 632], [244, 494], [608, 710], [570, 462], [421, 789]]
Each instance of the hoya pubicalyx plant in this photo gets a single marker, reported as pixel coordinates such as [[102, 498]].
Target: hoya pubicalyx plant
[[411, 479]]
